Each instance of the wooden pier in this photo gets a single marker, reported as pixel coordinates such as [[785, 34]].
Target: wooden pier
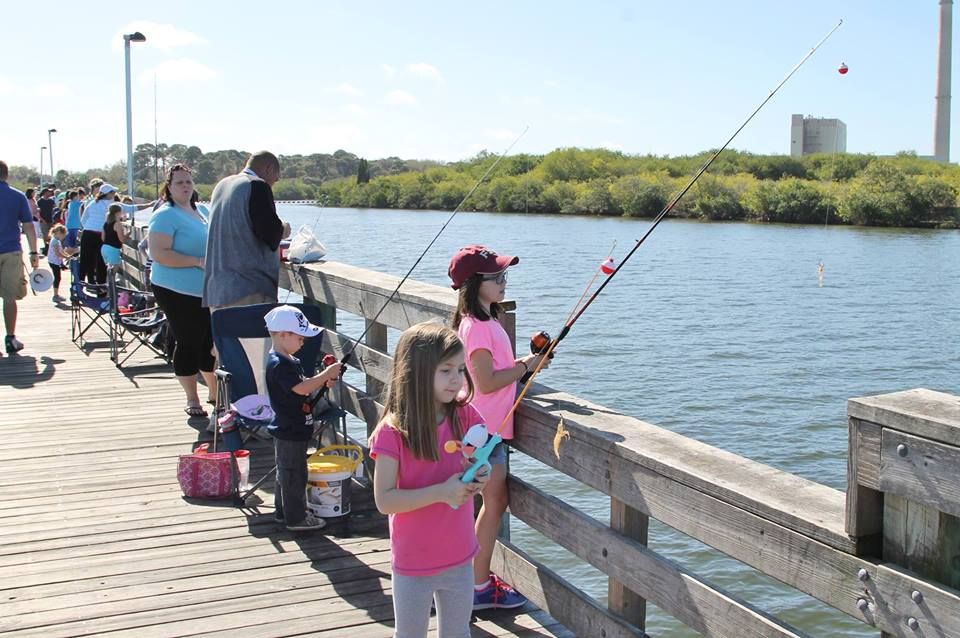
[[97, 539]]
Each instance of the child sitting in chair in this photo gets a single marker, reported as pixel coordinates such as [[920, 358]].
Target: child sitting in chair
[[292, 427]]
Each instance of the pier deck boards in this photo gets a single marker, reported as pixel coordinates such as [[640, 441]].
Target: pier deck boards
[[95, 537]]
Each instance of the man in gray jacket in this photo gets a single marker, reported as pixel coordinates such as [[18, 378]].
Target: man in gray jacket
[[242, 262]]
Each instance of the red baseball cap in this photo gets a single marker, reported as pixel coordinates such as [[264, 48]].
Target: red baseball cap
[[477, 260]]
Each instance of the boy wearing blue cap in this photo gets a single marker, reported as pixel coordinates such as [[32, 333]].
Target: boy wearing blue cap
[[292, 427]]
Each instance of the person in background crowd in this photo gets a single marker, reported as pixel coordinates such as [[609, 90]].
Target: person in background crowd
[[15, 217], [47, 206]]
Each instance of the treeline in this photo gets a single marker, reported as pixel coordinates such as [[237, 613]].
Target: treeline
[[841, 188], [302, 174], [844, 188]]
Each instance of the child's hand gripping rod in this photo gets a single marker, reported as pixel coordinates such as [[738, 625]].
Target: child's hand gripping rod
[[481, 459]]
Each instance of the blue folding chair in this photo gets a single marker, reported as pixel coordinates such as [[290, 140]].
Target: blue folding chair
[[242, 342]]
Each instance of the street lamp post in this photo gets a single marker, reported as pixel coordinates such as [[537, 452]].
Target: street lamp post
[[50, 132], [127, 39], [42, 149]]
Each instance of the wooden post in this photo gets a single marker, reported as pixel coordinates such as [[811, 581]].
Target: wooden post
[[509, 322], [620, 600], [376, 338], [909, 450]]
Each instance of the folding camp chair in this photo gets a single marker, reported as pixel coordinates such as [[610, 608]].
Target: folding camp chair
[[89, 307], [242, 342], [135, 321]]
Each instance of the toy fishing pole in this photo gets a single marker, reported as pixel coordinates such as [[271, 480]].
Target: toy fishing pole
[[608, 268]]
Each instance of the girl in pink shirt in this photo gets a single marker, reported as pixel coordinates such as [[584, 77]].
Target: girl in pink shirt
[[481, 277], [417, 482]]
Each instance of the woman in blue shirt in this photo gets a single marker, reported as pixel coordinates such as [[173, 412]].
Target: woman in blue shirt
[[178, 243]]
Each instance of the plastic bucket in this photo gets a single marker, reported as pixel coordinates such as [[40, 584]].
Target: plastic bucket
[[329, 480], [243, 465]]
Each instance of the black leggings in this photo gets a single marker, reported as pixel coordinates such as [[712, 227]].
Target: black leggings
[[92, 267], [56, 275], [190, 323]]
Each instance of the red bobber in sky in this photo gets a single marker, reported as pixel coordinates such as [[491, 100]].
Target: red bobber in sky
[[842, 69]]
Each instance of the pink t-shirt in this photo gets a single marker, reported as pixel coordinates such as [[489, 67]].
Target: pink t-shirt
[[490, 336], [437, 537]]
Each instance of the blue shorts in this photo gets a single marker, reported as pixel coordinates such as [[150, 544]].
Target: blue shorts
[[499, 454], [111, 255]]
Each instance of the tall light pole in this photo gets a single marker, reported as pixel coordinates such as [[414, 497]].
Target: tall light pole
[[42, 149], [50, 132], [127, 39]]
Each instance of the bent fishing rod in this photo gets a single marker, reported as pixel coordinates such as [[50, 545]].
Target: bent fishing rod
[[346, 356], [548, 349]]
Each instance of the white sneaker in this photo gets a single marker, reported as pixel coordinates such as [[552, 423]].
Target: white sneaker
[[308, 524]]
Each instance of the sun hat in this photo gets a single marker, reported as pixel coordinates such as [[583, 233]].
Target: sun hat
[[289, 319], [477, 260], [41, 279]]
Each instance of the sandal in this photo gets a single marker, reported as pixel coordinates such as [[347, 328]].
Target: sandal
[[196, 411]]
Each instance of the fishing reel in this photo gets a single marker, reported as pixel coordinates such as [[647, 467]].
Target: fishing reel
[[311, 403], [539, 342]]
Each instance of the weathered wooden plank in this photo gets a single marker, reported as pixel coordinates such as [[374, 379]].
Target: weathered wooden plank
[[635, 525], [927, 413], [921, 470], [922, 539], [811, 508], [693, 601], [363, 292], [573, 608], [864, 503], [795, 559], [227, 561], [376, 340], [165, 596], [232, 613]]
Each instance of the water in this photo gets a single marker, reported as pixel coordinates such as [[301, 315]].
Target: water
[[720, 332]]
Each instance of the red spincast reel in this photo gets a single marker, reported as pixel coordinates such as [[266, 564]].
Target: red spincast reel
[[539, 343]]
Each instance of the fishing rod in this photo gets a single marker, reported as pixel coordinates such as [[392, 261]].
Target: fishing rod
[[547, 351], [346, 356]]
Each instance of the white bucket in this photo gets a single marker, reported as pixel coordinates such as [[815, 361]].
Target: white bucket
[[329, 480]]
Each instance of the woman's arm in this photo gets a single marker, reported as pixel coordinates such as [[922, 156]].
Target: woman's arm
[[161, 249], [120, 231], [392, 500]]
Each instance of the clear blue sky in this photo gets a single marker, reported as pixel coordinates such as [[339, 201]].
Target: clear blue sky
[[442, 80]]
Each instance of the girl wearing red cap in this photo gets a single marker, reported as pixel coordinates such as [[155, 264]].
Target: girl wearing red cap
[[480, 275]]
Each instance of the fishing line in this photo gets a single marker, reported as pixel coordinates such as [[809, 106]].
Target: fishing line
[[528, 378], [370, 322]]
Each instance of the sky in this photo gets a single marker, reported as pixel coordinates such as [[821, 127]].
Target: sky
[[444, 80]]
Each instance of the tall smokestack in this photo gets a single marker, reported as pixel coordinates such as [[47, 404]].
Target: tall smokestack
[[941, 123]]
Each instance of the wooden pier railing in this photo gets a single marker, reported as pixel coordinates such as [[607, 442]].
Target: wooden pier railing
[[886, 553]]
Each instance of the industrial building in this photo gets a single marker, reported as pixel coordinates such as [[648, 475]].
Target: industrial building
[[810, 135]]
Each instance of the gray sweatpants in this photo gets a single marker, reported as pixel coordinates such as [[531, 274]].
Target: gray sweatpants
[[452, 590]]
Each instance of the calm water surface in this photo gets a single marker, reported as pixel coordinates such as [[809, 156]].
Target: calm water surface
[[720, 332]]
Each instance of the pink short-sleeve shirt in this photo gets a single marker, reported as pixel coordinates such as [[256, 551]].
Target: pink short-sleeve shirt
[[437, 537], [490, 336]]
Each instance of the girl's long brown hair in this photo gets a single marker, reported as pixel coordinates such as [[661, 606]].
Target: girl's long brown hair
[[468, 303], [411, 406]]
